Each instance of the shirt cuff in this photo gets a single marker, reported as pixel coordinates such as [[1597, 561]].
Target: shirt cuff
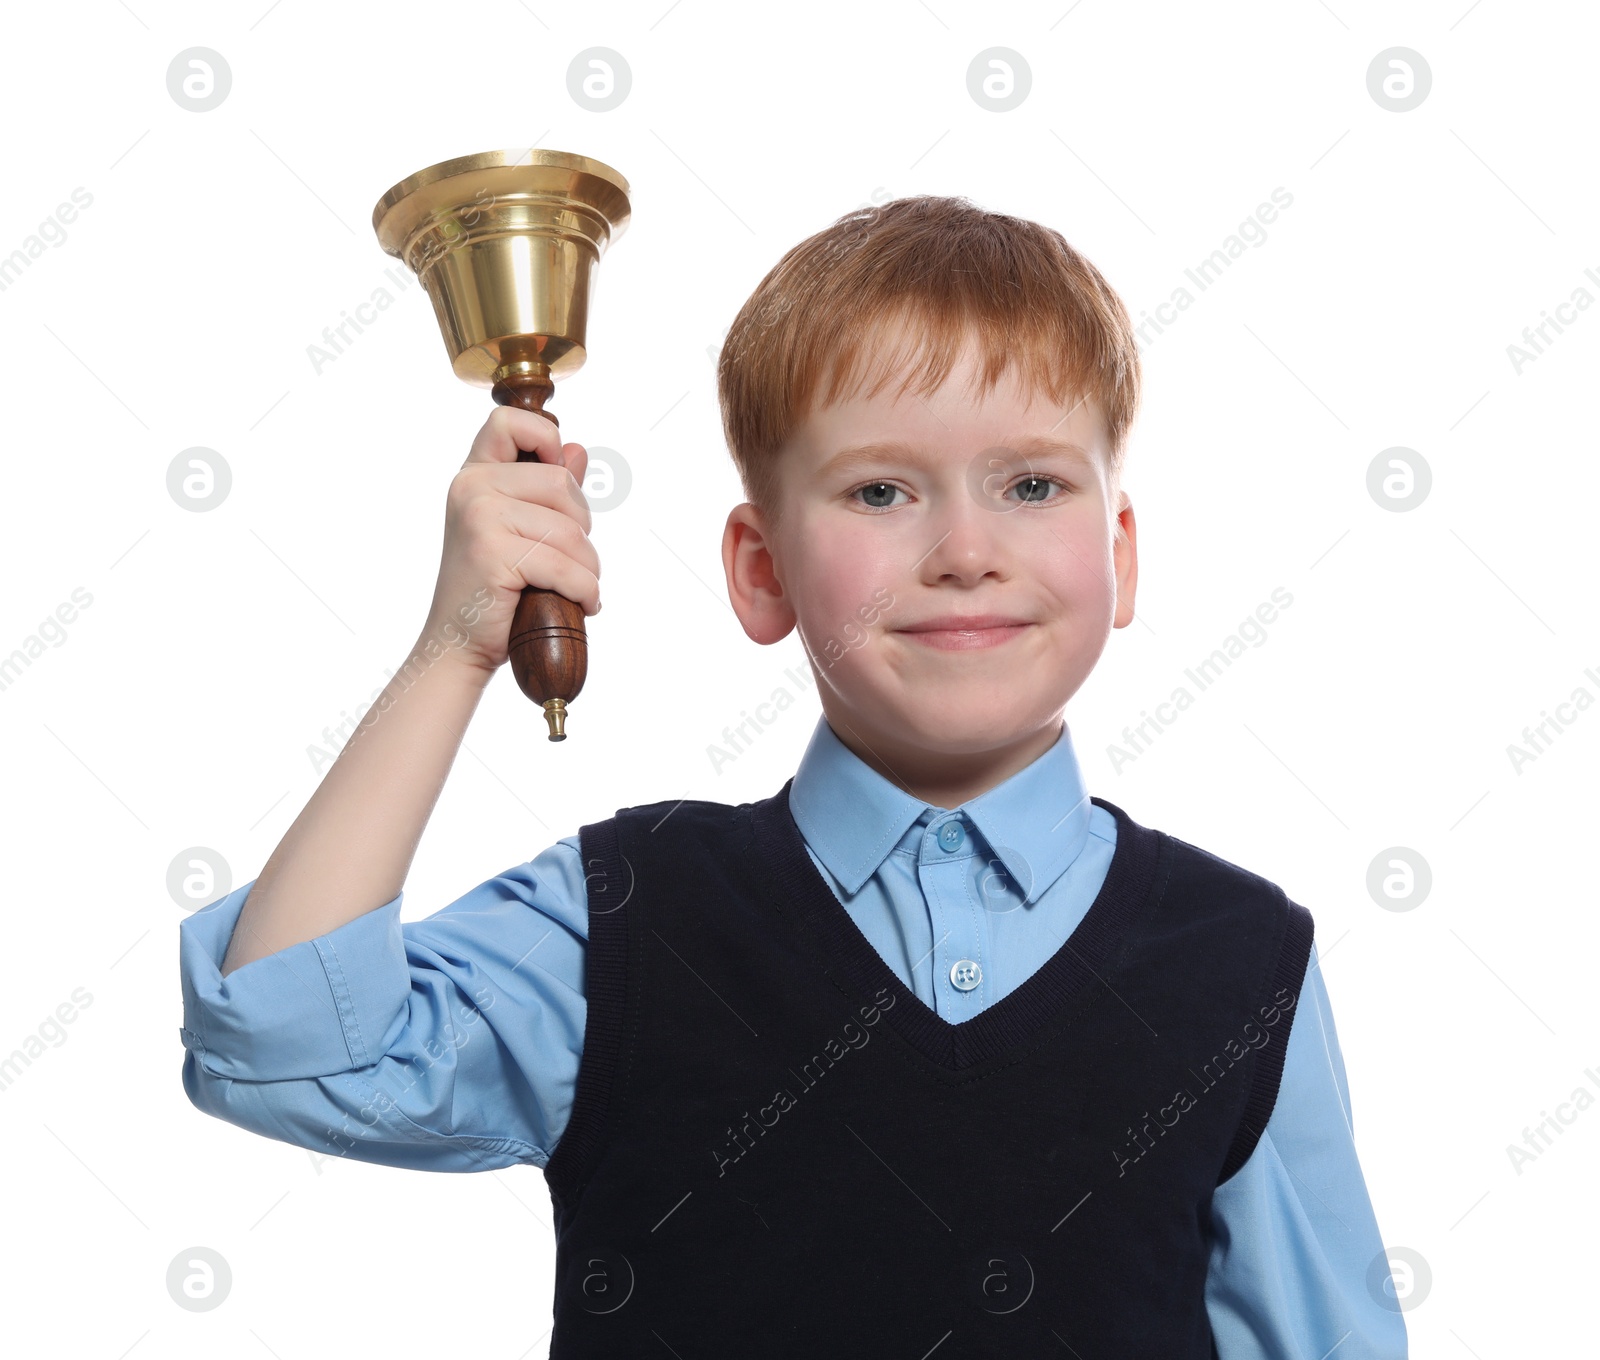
[[319, 1007]]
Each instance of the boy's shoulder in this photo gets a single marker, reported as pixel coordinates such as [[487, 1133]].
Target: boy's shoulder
[[1195, 857], [1206, 901], [1212, 865], [1195, 873], [681, 818], [701, 808]]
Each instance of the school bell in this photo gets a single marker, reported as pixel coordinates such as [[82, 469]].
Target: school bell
[[506, 244]]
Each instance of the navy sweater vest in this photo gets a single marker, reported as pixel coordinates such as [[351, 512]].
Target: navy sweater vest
[[776, 1149]]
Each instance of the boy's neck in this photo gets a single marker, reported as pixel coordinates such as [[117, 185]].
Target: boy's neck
[[939, 778]]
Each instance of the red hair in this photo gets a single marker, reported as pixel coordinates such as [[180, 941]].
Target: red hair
[[946, 268]]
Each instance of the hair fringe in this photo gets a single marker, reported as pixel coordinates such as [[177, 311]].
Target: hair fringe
[[945, 268]]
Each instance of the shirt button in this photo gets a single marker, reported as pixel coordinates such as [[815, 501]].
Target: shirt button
[[965, 974], [950, 836]]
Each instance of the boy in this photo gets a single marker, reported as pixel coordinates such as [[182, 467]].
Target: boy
[[928, 1047]]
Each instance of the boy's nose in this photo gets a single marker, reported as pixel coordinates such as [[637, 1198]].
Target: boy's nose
[[969, 541]]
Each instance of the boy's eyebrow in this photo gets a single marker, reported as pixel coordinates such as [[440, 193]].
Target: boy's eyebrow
[[1033, 446]]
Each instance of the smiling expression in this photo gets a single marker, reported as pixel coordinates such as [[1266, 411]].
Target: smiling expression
[[953, 567]]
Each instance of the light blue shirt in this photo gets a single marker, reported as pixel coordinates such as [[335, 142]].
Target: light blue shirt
[[453, 1043]]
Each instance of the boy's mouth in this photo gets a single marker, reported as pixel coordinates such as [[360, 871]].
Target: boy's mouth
[[954, 632]]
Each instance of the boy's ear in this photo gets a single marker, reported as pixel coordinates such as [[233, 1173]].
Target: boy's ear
[[1125, 559], [754, 590]]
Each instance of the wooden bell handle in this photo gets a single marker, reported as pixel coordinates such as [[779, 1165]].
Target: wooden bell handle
[[549, 647]]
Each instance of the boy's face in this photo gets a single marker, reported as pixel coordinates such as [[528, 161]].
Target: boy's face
[[972, 519]]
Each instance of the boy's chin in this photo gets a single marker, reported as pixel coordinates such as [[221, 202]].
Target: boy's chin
[[986, 721]]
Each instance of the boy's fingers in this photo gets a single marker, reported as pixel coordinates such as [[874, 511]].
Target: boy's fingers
[[521, 482], [510, 429], [576, 460]]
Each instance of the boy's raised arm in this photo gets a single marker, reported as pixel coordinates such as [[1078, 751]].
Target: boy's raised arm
[[508, 525], [350, 848], [451, 1043]]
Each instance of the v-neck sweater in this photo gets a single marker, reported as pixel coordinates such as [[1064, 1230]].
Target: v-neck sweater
[[774, 1143]]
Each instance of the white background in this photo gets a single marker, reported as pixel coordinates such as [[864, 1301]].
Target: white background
[[179, 709]]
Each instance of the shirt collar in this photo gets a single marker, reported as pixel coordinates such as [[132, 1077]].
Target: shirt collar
[[1036, 822]]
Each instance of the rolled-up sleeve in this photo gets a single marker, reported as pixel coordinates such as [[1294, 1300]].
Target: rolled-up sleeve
[[446, 1044], [317, 1007]]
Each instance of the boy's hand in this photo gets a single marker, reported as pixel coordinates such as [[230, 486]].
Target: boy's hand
[[509, 525]]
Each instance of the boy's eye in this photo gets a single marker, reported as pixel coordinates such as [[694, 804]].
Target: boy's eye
[[874, 489], [1035, 491], [1036, 488]]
